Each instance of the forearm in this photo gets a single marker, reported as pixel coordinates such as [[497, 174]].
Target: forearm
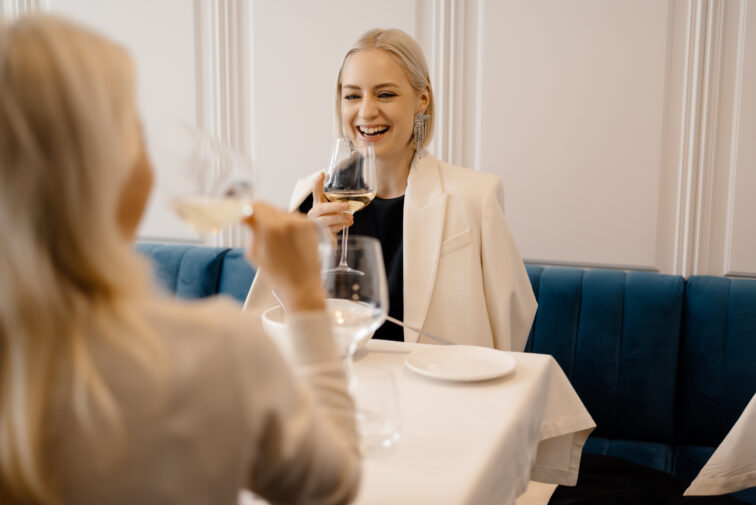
[[310, 451]]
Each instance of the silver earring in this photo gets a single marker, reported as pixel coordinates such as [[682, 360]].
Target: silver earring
[[420, 130]]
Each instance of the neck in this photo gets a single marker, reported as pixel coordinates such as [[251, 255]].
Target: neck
[[393, 172]]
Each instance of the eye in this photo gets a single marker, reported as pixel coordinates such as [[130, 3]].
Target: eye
[[351, 96], [386, 94]]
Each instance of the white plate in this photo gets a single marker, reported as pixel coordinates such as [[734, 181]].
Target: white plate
[[463, 363]]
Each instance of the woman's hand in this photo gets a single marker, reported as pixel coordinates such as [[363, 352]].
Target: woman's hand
[[330, 214], [286, 246]]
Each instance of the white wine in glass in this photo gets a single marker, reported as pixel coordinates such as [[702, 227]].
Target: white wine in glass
[[209, 183], [355, 199], [209, 215]]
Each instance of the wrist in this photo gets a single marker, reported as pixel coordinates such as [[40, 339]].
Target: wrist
[[306, 298]]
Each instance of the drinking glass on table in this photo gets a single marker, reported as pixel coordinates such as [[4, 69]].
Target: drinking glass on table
[[351, 179], [209, 183], [378, 411]]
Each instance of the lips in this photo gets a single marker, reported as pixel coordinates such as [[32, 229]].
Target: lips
[[372, 131]]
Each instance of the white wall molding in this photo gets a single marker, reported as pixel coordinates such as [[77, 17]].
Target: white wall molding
[[222, 73], [701, 240], [14, 8], [706, 125], [688, 152], [734, 143], [449, 29]]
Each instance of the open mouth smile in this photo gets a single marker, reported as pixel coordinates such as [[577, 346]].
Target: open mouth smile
[[372, 131]]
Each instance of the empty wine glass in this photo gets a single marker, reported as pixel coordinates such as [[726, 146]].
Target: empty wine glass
[[209, 184], [356, 302], [350, 179]]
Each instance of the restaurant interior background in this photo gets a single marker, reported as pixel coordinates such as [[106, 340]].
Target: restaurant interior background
[[624, 130]]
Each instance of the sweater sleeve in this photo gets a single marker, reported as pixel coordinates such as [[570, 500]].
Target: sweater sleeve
[[509, 296], [305, 443]]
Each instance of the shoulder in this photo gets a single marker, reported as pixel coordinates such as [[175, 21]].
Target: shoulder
[[214, 328], [302, 189], [458, 179]]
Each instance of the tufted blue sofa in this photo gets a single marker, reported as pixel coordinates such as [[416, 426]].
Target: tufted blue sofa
[[664, 365]]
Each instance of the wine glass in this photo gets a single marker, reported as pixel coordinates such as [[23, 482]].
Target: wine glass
[[357, 302], [351, 179], [209, 184], [356, 298]]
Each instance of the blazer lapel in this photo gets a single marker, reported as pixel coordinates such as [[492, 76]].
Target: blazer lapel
[[301, 191], [424, 212]]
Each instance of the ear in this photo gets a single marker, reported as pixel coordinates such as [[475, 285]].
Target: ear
[[423, 100]]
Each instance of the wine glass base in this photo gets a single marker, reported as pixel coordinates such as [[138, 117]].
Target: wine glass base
[[342, 269], [377, 431]]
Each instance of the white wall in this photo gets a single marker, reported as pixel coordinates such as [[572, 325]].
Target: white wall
[[160, 35], [621, 128], [573, 96]]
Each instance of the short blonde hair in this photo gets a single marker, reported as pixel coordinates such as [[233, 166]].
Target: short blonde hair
[[406, 51], [69, 139]]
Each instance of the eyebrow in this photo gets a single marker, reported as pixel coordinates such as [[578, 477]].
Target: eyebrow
[[379, 86]]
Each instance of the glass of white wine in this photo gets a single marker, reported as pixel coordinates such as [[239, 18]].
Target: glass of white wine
[[209, 184], [350, 178]]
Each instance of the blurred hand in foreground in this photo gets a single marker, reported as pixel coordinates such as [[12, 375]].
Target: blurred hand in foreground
[[286, 247]]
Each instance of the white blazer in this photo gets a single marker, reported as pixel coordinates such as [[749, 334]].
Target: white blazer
[[464, 279]]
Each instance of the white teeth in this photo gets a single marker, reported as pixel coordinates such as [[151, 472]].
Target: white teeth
[[372, 130]]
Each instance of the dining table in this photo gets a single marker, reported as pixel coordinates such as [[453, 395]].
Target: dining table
[[732, 467], [471, 440]]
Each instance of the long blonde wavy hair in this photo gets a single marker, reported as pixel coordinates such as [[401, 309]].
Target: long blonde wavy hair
[[69, 138], [407, 53]]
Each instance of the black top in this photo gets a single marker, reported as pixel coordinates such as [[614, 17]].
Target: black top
[[383, 219]]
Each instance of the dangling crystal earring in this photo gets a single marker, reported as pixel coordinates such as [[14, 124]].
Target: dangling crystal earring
[[420, 130]]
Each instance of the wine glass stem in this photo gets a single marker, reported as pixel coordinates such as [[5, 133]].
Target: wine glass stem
[[344, 240]]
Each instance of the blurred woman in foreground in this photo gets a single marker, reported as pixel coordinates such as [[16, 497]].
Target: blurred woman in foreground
[[110, 393]]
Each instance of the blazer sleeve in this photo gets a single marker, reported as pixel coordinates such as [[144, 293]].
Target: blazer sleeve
[[509, 296]]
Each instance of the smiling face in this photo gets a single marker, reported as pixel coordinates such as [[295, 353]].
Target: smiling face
[[378, 103]]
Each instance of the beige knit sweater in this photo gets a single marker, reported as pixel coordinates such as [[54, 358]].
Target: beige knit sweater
[[227, 414]]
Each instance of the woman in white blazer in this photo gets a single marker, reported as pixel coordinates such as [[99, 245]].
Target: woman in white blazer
[[453, 267]]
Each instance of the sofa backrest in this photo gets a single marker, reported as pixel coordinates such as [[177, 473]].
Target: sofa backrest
[[616, 335], [717, 374], [197, 272], [665, 366]]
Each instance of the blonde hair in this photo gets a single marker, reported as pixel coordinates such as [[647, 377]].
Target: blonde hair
[[406, 52], [69, 138]]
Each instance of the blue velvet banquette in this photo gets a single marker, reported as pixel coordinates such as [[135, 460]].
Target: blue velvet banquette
[[664, 365]]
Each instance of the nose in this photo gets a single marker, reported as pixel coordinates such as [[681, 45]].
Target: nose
[[368, 108]]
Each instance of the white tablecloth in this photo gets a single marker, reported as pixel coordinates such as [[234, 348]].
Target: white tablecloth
[[476, 443], [732, 467], [473, 443]]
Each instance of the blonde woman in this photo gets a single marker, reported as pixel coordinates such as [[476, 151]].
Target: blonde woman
[[452, 264], [110, 393]]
